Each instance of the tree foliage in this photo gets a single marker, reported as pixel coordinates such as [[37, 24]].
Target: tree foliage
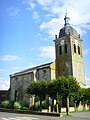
[[67, 85], [88, 95], [38, 88], [62, 87], [85, 95]]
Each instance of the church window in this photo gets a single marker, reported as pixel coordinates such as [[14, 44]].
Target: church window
[[78, 50], [74, 48], [60, 50], [65, 48]]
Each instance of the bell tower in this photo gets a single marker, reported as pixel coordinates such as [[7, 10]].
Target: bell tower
[[69, 59]]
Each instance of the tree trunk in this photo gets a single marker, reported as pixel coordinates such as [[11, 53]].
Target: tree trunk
[[75, 106], [52, 104], [57, 108], [40, 103], [67, 107], [60, 105]]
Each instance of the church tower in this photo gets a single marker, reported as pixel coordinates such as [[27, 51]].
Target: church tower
[[69, 57]]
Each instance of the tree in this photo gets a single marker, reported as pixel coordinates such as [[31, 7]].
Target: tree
[[62, 86], [85, 96], [68, 86], [52, 91], [37, 88], [82, 95], [88, 95]]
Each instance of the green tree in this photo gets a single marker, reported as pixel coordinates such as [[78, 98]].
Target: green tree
[[62, 86], [68, 86], [37, 88], [52, 91], [82, 95], [88, 95], [85, 96]]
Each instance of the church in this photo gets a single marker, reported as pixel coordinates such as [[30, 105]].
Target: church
[[68, 62]]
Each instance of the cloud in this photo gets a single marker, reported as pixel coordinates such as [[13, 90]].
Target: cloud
[[87, 81], [30, 5], [13, 11], [52, 26], [79, 14], [86, 52], [4, 84], [44, 2], [35, 15], [47, 52], [51, 14], [9, 58]]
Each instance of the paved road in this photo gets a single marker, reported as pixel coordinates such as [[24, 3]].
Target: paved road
[[14, 116]]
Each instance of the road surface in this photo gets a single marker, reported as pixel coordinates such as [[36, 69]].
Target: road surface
[[16, 116]]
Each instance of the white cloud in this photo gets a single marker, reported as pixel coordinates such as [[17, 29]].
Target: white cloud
[[4, 84], [47, 52], [44, 2], [87, 51], [13, 11], [35, 15], [52, 26], [87, 81], [9, 58], [30, 4], [79, 15]]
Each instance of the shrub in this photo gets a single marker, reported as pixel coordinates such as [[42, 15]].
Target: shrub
[[14, 105], [24, 105], [17, 105], [37, 105], [44, 105], [24, 108], [11, 103], [5, 104]]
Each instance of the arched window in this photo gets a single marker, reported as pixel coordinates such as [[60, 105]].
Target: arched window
[[78, 50], [60, 50], [65, 47], [74, 48]]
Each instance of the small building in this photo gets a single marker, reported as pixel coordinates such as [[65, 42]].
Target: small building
[[69, 62], [3, 95]]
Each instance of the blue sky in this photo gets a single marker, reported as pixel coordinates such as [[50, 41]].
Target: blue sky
[[27, 30]]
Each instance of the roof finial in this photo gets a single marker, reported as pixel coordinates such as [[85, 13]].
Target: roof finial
[[66, 19], [66, 11]]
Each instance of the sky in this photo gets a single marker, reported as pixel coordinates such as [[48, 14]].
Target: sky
[[28, 28]]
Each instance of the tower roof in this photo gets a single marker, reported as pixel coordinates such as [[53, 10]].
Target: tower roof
[[67, 29]]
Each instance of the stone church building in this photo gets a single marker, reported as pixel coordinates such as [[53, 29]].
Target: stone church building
[[69, 62]]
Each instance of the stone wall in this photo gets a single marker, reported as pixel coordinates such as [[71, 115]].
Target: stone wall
[[19, 85], [20, 81], [44, 73]]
